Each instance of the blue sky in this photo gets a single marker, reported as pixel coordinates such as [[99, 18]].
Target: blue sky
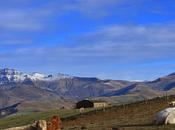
[[109, 39]]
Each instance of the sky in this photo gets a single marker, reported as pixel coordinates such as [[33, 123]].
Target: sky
[[108, 39]]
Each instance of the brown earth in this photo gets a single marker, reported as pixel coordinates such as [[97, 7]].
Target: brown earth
[[136, 116]]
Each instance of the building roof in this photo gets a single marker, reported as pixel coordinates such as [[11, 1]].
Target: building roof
[[93, 101], [98, 101]]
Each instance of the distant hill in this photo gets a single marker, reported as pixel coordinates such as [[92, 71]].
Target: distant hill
[[133, 116], [64, 90], [37, 88], [158, 87]]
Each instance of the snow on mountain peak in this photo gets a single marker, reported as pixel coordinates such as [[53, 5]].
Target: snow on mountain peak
[[37, 76], [57, 76], [9, 75], [12, 75]]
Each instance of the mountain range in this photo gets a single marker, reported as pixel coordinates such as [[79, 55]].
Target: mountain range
[[60, 90], [13, 76]]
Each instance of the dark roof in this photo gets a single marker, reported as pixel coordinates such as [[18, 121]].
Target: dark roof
[[97, 101], [94, 101]]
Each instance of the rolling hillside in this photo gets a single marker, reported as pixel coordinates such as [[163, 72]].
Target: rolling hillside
[[148, 89], [135, 116], [63, 90]]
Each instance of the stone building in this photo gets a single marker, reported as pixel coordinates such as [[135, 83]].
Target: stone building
[[91, 104]]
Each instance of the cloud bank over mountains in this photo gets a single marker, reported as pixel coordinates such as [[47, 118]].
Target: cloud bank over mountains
[[98, 36]]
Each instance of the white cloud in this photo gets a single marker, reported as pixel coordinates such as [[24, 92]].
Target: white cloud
[[36, 16], [118, 51], [32, 15], [118, 44]]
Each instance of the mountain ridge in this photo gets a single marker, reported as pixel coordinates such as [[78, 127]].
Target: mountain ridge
[[14, 76], [45, 88]]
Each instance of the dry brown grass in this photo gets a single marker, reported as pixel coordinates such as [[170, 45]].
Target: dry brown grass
[[136, 116]]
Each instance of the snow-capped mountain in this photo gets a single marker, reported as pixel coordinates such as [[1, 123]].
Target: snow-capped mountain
[[17, 86], [59, 84], [10, 75], [13, 76]]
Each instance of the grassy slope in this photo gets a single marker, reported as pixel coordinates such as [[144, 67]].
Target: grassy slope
[[29, 118], [24, 119], [136, 116]]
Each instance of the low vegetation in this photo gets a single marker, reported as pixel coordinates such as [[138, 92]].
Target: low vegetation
[[24, 119], [135, 116]]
